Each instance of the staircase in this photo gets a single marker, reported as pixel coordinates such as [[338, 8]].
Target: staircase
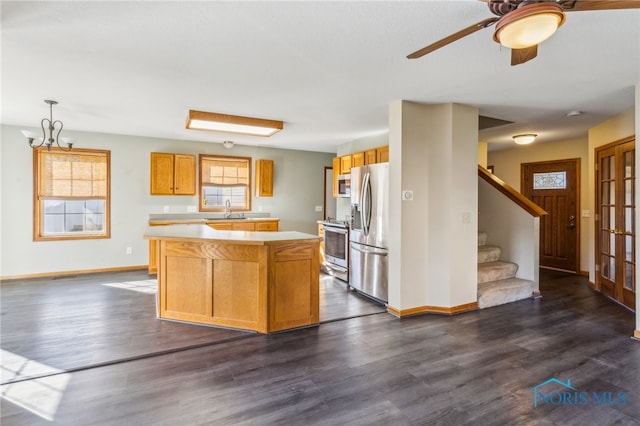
[[497, 282]]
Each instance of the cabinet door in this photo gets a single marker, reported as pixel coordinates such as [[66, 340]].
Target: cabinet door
[[345, 164], [184, 174], [220, 226], [264, 178], [153, 257], [161, 173], [370, 157], [336, 173], [357, 159], [243, 226], [267, 226], [321, 235], [383, 154]]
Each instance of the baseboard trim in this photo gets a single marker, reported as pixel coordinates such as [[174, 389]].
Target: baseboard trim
[[401, 313], [636, 334], [78, 272], [584, 273], [593, 286]]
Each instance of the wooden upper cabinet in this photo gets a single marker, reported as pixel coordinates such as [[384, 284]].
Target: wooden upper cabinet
[[345, 164], [383, 154], [357, 159], [370, 156], [336, 173], [264, 178], [173, 174], [184, 177]]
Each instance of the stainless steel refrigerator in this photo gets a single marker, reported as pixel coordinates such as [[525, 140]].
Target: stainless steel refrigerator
[[368, 234]]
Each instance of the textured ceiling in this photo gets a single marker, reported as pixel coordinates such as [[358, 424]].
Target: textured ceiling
[[327, 69]]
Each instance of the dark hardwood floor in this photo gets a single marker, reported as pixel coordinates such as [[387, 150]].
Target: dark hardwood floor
[[76, 351]]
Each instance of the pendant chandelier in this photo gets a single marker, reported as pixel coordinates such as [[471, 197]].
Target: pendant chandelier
[[52, 127]]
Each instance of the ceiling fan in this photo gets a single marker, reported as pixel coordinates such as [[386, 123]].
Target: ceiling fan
[[522, 24]]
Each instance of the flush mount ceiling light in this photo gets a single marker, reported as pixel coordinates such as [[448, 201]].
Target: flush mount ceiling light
[[53, 127], [524, 139], [529, 25], [228, 144], [574, 113], [200, 120]]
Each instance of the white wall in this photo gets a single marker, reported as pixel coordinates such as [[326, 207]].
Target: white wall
[[433, 252], [298, 188], [511, 228]]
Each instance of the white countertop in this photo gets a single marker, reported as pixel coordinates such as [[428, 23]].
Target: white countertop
[[196, 231], [203, 221]]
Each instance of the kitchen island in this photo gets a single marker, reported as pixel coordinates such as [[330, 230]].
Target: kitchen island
[[259, 281]]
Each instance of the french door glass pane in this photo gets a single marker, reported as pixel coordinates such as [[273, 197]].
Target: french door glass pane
[[628, 248], [612, 192], [628, 163], [604, 268], [628, 192], [612, 244], [628, 276], [628, 220]]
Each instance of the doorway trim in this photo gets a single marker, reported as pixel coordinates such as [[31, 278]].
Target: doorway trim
[[578, 183], [597, 237]]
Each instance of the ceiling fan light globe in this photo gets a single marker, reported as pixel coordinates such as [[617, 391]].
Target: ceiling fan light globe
[[529, 25]]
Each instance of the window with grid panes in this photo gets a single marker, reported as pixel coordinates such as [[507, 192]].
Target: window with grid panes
[[71, 194], [225, 178]]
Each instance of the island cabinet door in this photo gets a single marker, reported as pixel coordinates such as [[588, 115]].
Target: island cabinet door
[[185, 283], [294, 299], [213, 283]]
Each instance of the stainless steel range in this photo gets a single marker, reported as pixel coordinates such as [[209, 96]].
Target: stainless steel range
[[336, 249]]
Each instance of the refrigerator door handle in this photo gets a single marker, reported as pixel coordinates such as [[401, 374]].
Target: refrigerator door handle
[[365, 196], [377, 253]]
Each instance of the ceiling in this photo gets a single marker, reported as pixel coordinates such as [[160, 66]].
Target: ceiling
[[327, 69]]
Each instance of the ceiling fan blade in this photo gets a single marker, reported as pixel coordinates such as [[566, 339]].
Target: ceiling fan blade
[[520, 56], [580, 5], [453, 37]]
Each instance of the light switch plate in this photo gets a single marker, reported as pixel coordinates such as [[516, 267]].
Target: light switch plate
[[319, 208], [586, 213]]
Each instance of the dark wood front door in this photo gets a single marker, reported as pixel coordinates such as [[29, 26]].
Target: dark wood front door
[[553, 185], [615, 223]]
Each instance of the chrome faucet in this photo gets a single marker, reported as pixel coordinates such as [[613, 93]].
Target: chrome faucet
[[227, 208]]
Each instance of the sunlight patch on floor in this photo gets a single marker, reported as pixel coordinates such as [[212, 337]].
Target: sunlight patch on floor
[[41, 396], [144, 286]]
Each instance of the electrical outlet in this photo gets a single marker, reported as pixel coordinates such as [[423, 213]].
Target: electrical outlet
[[192, 209], [129, 250], [165, 209]]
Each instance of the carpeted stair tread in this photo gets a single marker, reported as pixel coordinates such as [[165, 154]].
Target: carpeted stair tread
[[488, 254], [504, 291], [494, 271]]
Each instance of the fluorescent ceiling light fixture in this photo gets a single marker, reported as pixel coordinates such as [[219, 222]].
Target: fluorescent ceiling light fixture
[[529, 25], [200, 120], [524, 139]]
